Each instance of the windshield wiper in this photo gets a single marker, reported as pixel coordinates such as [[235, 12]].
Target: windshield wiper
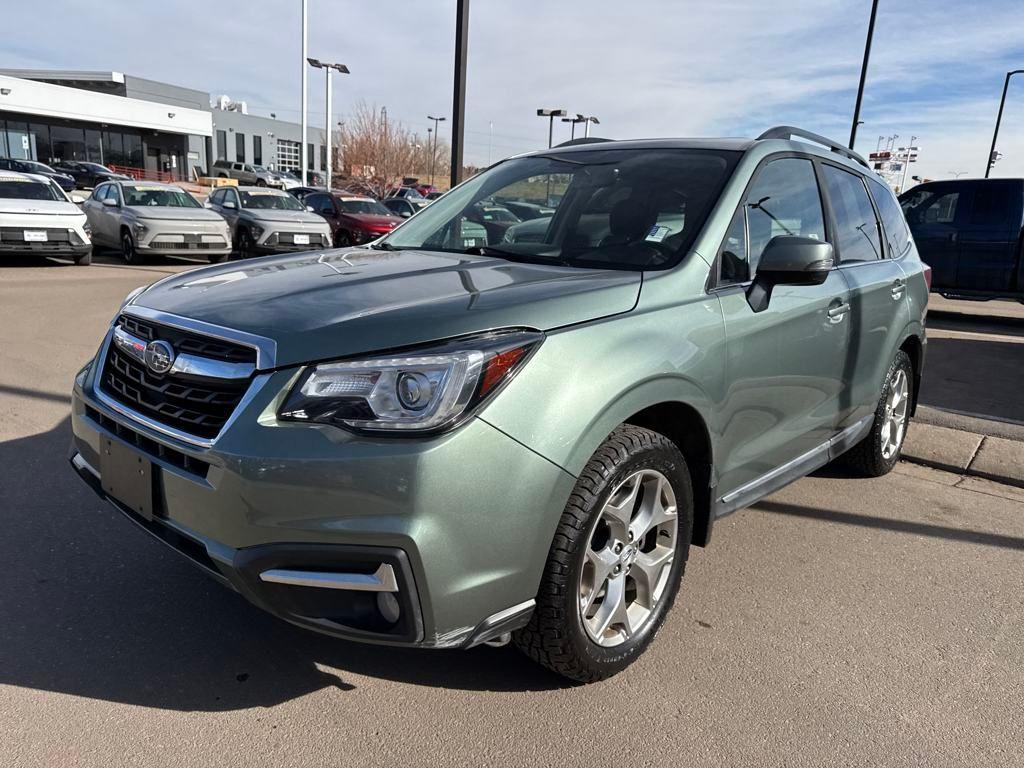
[[529, 258]]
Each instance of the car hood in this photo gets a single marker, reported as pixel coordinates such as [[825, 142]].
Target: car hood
[[375, 220], [339, 303], [293, 217], [170, 213], [43, 207]]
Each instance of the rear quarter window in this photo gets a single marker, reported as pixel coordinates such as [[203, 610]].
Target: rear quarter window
[[897, 234]]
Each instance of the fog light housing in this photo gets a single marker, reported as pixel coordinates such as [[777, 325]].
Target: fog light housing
[[389, 608]]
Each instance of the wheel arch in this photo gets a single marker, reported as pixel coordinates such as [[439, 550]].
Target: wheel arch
[[914, 347], [683, 425]]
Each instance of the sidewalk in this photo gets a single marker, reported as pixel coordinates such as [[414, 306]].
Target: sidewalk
[[1000, 459]]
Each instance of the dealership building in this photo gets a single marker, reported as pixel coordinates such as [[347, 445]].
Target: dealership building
[[151, 129]]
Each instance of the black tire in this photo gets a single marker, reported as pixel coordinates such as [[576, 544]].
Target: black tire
[[342, 239], [216, 258], [128, 252], [866, 458], [260, 183], [84, 259], [246, 245], [555, 636]]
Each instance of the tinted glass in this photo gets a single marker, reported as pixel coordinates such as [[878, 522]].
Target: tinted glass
[[930, 206], [26, 189], [100, 192], [732, 258], [897, 235], [614, 208], [268, 200], [857, 235], [142, 195], [991, 206], [363, 206], [783, 200], [320, 203]]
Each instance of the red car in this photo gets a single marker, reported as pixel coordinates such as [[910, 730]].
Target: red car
[[353, 219]]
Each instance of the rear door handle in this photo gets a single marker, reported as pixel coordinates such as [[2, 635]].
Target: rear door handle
[[897, 289]]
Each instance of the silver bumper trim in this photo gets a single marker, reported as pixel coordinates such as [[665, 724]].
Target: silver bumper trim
[[381, 580]]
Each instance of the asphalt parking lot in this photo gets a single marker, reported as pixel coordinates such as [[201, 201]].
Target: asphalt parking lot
[[839, 622]]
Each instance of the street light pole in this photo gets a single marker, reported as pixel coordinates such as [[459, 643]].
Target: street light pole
[[304, 151], [551, 114], [433, 150], [328, 67], [999, 119], [459, 94], [588, 121], [906, 163], [863, 73]]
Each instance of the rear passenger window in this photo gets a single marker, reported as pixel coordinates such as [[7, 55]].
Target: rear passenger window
[[857, 233], [991, 207], [783, 200], [897, 235]]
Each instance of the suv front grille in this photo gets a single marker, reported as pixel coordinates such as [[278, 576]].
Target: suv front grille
[[195, 405]]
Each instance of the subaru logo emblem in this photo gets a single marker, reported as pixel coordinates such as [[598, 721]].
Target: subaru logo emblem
[[159, 356]]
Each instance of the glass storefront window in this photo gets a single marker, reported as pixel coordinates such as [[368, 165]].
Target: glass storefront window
[[222, 145], [133, 149], [113, 148], [19, 142], [93, 148], [40, 134], [67, 143]]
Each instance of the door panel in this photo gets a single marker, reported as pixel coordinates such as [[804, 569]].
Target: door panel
[[989, 236], [935, 214], [879, 312], [785, 374]]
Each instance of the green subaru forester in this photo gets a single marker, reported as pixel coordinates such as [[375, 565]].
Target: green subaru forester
[[479, 429]]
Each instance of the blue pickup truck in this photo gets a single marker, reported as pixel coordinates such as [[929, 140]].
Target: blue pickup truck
[[970, 232]]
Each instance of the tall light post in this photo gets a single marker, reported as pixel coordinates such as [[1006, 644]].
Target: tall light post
[[328, 67], [384, 150], [863, 73], [999, 118], [573, 122], [906, 163], [551, 114], [433, 150], [587, 123], [305, 102], [459, 94]]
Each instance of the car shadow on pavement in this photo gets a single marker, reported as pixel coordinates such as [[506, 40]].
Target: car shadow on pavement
[[965, 535], [93, 607]]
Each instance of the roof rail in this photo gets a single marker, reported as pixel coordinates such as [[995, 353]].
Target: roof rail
[[788, 132], [582, 140]]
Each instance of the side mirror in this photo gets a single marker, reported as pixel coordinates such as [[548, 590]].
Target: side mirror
[[229, 204], [789, 260], [405, 214], [110, 202], [78, 199], [310, 209]]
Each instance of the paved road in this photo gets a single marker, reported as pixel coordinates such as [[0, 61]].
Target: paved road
[[840, 622]]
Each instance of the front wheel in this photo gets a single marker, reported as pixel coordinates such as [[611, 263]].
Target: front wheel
[[246, 245], [342, 239], [877, 454], [617, 558], [128, 252]]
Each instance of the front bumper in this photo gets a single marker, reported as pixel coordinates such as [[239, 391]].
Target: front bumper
[[464, 521]]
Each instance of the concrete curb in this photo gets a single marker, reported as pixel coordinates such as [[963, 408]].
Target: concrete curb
[[966, 453]]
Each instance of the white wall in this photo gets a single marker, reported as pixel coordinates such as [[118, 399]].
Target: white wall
[[35, 98]]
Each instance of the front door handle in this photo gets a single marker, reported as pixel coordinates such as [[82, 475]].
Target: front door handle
[[837, 311], [897, 289]]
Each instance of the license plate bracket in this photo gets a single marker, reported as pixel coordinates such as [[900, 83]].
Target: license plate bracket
[[35, 235], [300, 239], [127, 476]]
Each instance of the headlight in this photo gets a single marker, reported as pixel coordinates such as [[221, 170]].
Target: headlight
[[425, 390], [256, 231], [140, 228]]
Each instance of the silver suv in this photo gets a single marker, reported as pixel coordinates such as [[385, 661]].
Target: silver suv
[[245, 173]]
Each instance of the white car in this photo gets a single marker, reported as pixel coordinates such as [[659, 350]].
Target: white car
[[37, 216]]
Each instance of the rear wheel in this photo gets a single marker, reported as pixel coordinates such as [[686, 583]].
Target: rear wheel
[[877, 454], [128, 252], [616, 561], [343, 239], [260, 183]]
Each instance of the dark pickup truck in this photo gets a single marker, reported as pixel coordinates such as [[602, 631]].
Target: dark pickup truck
[[969, 232]]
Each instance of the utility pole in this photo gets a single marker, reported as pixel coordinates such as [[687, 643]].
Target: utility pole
[[863, 73], [999, 118], [459, 95], [433, 151], [304, 149]]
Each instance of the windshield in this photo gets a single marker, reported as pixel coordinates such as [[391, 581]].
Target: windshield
[[612, 208], [27, 189], [363, 206], [35, 167], [269, 200], [138, 196], [95, 167]]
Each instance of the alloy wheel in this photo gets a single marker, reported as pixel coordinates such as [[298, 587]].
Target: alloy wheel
[[897, 407], [629, 558]]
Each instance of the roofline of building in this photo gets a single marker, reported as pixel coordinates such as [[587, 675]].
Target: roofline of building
[[70, 75]]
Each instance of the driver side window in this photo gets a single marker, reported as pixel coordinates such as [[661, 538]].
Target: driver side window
[[783, 200]]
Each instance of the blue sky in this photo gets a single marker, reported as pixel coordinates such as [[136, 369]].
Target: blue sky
[[646, 68]]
